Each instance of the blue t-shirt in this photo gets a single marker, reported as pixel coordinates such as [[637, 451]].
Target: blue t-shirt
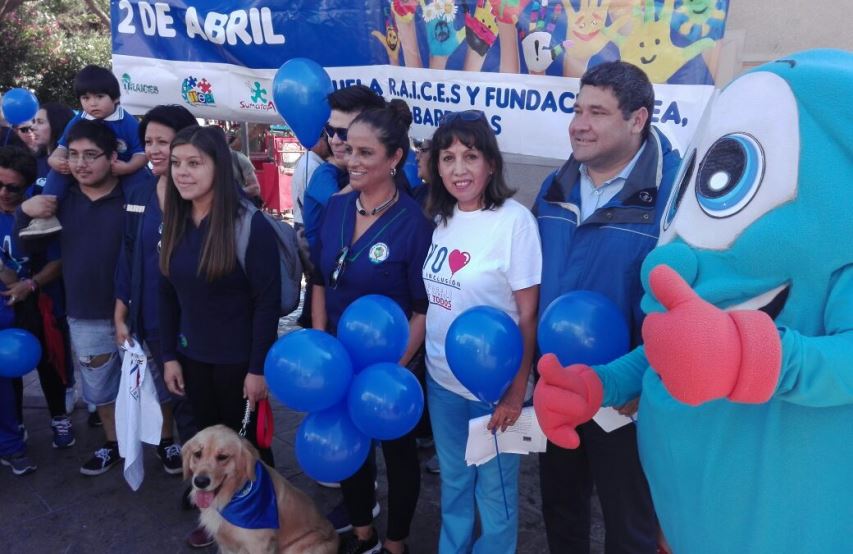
[[12, 258], [122, 124], [387, 259]]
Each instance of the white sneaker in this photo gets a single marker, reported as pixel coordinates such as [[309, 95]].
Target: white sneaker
[[40, 227]]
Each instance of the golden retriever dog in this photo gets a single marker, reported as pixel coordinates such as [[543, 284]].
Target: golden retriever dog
[[220, 464]]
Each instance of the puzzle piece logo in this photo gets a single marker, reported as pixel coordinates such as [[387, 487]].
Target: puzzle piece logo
[[258, 100], [197, 92]]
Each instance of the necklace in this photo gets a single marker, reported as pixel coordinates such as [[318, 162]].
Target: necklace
[[378, 209]]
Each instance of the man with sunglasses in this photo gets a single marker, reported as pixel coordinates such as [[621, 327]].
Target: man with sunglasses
[[598, 217], [93, 215], [331, 177]]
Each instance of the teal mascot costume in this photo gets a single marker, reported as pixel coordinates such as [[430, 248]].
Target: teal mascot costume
[[745, 380]]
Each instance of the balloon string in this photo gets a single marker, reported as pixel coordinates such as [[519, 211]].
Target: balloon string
[[501, 471]]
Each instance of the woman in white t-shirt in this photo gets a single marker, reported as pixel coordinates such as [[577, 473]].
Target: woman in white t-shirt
[[485, 251]]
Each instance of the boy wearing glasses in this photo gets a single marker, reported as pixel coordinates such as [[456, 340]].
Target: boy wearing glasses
[[331, 177], [98, 91], [94, 215]]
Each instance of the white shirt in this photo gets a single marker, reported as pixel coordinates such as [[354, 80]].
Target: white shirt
[[478, 258], [302, 172]]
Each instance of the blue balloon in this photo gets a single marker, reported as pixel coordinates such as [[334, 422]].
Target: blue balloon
[[19, 106], [583, 327], [484, 349], [308, 370], [299, 91], [20, 352], [329, 447], [385, 401], [373, 329]]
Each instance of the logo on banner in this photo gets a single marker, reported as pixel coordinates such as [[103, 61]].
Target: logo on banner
[[143, 88], [258, 100], [197, 92]]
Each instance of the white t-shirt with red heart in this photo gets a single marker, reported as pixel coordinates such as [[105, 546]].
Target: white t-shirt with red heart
[[478, 258]]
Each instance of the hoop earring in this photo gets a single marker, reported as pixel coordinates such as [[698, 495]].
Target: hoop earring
[[393, 172]]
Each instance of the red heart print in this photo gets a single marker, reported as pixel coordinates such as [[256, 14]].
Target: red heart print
[[458, 260]]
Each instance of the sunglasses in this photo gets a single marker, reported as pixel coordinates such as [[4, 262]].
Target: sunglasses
[[26, 129], [467, 115], [14, 189], [421, 145], [332, 131], [340, 265]]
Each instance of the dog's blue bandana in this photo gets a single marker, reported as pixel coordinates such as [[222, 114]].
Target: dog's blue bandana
[[254, 506]]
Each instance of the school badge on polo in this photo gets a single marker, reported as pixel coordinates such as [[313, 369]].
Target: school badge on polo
[[378, 253]]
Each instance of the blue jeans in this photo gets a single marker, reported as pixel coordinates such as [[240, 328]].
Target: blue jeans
[[463, 487]]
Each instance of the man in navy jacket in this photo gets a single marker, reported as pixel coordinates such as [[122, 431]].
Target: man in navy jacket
[[598, 217]]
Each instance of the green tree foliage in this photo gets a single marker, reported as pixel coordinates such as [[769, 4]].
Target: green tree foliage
[[43, 43]]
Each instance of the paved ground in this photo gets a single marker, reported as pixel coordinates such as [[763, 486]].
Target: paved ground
[[58, 510]]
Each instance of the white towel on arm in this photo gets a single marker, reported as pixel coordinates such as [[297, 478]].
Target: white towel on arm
[[138, 416]]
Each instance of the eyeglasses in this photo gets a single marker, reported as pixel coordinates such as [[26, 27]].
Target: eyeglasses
[[86, 157], [26, 129], [332, 131], [467, 115], [421, 145], [340, 265], [14, 189]]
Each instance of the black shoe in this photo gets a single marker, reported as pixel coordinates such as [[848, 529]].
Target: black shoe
[[386, 551], [339, 517], [351, 544], [170, 454], [103, 459], [94, 419]]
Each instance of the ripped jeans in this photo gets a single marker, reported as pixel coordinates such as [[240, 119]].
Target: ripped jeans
[[97, 358]]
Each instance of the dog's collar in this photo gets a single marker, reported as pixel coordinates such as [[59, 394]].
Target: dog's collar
[[254, 506]]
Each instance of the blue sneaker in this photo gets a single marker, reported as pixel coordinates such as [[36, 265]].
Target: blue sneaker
[[19, 462], [339, 517], [63, 433]]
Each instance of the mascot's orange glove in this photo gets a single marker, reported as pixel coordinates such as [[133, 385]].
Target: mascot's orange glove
[[564, 398], [703, 353]]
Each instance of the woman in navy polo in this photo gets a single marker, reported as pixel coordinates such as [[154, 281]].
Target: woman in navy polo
[[217, 319], [373, 240]]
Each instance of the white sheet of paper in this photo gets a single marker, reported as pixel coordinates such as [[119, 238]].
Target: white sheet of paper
[[522, 438], [610, 420]]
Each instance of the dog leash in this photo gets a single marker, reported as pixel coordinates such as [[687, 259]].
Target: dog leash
[[264, 430], [247, 415]]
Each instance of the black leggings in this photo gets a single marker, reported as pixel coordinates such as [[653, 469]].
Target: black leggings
[[404, 485], [28, 317], [216, 394]]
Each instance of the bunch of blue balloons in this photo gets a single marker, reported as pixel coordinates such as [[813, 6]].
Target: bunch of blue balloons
[[350, 385]]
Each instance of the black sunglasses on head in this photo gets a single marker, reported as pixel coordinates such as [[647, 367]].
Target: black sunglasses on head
[[421, 145], [466, 115], [332, 131]]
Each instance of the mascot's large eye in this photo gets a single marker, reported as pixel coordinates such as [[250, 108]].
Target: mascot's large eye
[[680, 188], [729, 175]]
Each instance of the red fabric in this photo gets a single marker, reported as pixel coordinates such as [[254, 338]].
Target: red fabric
[[703, 353], [266, 425], [564, 398], [54, 342]]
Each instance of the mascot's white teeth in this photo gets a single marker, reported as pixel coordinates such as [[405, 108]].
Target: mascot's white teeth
[[770, 301]]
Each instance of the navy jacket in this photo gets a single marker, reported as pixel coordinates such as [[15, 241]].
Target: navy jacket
[[604, 253]]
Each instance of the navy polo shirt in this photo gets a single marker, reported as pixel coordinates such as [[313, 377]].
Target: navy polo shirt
[[231, 320], [387, 259], [91, 237]]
